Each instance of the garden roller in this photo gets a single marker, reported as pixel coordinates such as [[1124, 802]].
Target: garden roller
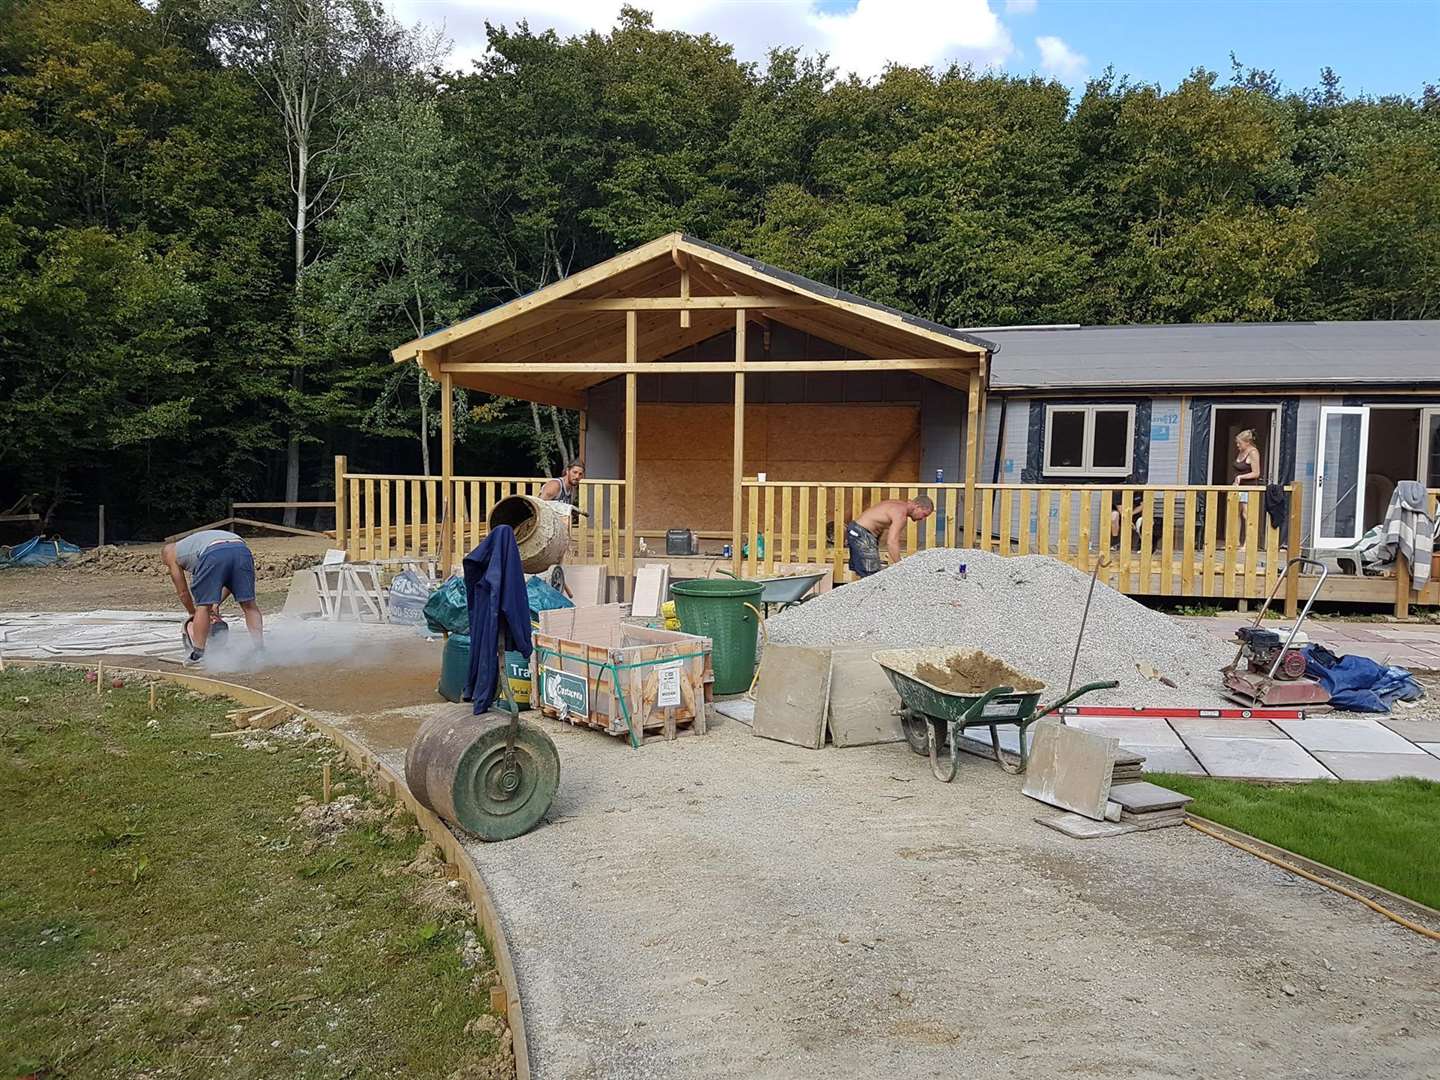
[[492, 774]]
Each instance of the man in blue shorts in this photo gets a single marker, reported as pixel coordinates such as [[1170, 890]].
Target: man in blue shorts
[[219, 563]]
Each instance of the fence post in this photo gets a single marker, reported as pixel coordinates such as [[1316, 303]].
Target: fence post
[[1293, 544], [340, 470], [1402, 587]]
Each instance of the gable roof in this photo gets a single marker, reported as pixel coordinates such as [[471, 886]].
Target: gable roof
[[540, 328], [1315, 354]]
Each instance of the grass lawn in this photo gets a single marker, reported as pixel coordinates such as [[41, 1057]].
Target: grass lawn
[[173, 905], [1384, 832]]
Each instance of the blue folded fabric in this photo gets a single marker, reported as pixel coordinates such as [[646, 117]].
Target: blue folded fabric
[[1359, 684]]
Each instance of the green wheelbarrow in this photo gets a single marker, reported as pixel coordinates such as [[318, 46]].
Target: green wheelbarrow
[[931, 716]]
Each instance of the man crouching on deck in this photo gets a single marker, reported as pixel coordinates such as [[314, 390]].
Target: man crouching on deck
[[218, 562], [862, 536]]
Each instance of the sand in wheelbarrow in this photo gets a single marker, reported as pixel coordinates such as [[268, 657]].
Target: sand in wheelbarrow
[[1024, 610], [974, 673]]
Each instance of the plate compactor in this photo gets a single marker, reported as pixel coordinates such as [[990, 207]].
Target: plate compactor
[[1269, 665]]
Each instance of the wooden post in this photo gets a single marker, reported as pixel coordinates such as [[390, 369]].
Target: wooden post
[[1402, 587], [100, 535], [447, 471], [685, 295], [325, 781], [738, 460], [153, 687], [1293, 544], [341, 467], [973, 420], [632, 349], [581, 438]]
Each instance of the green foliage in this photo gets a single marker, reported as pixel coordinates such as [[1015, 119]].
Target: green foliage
[[158, 355]]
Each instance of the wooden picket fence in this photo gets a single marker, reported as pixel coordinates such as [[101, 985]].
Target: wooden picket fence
[[1177, 546], [389, 516]]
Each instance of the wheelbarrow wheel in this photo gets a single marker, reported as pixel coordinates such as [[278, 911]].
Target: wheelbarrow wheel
[[917, 732]]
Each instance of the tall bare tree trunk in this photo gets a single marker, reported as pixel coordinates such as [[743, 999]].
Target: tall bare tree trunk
[[540, 439], [297, 373], [424, 422]]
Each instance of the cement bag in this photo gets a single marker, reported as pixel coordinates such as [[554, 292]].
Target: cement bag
[[409, 593], [446, 611]]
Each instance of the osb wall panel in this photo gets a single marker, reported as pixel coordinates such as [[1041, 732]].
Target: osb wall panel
[[682, 467]]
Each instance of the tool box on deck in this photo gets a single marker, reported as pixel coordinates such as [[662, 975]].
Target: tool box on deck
[[592, 669]]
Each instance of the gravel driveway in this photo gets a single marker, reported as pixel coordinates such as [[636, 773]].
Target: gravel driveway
[[725, 906]]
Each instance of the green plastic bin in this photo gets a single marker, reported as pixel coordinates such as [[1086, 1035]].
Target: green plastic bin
[[725, 611], [455, 666]]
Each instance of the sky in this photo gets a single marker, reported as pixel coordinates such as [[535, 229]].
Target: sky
[[1377, 46]]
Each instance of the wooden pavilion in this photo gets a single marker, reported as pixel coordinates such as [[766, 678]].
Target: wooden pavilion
[[654, 348]]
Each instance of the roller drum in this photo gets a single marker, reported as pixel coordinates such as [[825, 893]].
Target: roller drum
[[456, 766]]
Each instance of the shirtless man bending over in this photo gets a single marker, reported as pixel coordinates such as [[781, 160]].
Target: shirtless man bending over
[[862, 536]]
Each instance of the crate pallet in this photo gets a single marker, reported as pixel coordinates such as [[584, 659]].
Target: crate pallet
[[633, 682]]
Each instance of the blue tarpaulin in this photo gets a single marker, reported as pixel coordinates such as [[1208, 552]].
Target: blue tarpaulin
[[40, 552], [1359, 684]]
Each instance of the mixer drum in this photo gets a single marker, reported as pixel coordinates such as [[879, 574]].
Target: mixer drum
[[542, 529]]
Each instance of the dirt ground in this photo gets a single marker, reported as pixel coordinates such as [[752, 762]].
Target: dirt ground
[[89, 586], [727, 906]]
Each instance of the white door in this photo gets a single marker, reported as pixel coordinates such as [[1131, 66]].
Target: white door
[[1340, 475]]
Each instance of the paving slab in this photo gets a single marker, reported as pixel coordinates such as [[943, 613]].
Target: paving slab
[[1071, 768], [1145, 797], [739, 709], [1132, 731], [1257, 759], [1174, 759], [1430, 747], [1218, 727], [792, 695], [1082, 828], [1417, 731], [862, 700], [1358, 736], [1380, 766]]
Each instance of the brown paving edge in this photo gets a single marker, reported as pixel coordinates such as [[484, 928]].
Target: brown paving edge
[[434, 829], [1319, 869]]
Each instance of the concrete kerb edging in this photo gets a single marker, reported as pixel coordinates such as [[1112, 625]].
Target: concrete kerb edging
[[434, 829], [1414, 908]]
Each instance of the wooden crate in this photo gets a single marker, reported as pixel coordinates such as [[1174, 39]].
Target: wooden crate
[[637, 682]]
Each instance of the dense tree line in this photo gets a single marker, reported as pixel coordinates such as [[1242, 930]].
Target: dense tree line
[[187, 314]]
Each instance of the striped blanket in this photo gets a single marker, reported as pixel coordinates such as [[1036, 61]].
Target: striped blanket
[[1409, 533]]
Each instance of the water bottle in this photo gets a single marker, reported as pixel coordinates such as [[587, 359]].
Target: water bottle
[[727, 551], [760, 546], [939, 476]]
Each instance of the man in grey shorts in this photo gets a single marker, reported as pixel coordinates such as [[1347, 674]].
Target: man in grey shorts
[[218, 563], [862, 536]]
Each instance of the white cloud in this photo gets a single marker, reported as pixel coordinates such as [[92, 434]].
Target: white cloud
[[863, 39], [1020, 7], [1059, 60]]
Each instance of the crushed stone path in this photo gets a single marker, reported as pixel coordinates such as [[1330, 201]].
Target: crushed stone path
[[724, 906]]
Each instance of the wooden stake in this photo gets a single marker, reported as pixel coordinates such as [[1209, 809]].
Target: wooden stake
[[325, 780], [100, 540], [99, 677], [499, 1003], [153, 688]]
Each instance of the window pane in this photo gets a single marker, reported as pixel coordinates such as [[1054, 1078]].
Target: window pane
[[1067, 439], [1112, 439]]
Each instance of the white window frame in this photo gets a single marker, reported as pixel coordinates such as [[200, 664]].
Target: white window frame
[[1087, 467]]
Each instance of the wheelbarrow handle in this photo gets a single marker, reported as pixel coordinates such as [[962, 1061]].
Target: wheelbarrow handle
[[978, 709], [1110, 684]]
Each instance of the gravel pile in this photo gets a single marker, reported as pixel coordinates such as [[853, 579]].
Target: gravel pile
[[1026, 611]]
